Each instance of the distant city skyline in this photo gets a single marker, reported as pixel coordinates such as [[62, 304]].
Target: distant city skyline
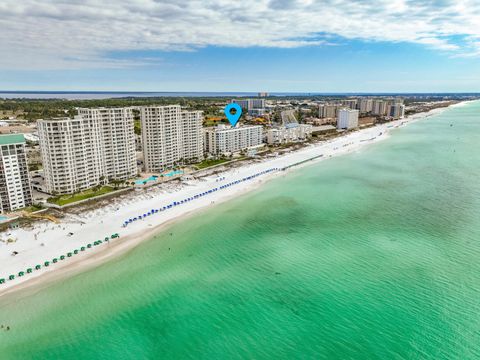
[[275, 46]]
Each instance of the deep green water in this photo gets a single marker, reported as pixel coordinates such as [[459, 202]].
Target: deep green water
[[374, 255]]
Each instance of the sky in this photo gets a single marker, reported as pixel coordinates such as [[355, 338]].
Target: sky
[[248, 45]]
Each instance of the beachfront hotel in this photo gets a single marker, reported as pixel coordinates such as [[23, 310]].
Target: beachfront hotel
[[347, 119], [170, 136], [223, 139], [94, 147], [15, 188]]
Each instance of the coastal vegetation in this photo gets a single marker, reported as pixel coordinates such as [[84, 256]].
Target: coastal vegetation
[[33, 109], [211, 162], [83, 195]]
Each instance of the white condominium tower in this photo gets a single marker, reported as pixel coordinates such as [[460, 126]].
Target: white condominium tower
[[15, 189], [117, 127], [347, 119], [224, 139], [89, 150], [170, 136], [379, 107]]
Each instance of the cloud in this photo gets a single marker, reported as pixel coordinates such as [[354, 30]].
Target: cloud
[[43, 34]]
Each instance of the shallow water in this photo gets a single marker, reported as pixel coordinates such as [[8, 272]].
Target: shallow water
[[370, 255]]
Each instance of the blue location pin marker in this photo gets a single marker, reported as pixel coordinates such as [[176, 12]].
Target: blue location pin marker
[[233, 118]]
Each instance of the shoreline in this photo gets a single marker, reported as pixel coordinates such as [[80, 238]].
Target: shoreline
[[138, 232]]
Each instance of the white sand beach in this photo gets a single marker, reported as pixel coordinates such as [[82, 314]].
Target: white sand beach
[[47, 240]]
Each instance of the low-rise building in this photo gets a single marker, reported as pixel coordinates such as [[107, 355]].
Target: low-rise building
[[288, 134], [323, 130], [223, 139], [347, 119], [15, 187]]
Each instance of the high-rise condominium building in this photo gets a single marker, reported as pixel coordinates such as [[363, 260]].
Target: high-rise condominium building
[[328, 111], [379, 107], [15, 188], [250, 104], [397, 111], [350, 103], [96, 146], [223, 139], [365, 105], [170, 136], [347, 119]]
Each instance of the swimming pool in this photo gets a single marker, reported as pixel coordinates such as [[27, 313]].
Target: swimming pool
[[2, 218], [142, 181], [173, 173]]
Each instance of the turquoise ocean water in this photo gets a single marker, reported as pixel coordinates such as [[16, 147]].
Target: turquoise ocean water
[[373, 255]]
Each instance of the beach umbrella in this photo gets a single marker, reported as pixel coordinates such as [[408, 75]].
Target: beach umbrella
[[11, 277], [21, 273], [55, 260], [29, 270], [89, 246], [75, 251], [69, 254], [62, 257], [38, 267], [46, 263], [2, 281], [107, 238]]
